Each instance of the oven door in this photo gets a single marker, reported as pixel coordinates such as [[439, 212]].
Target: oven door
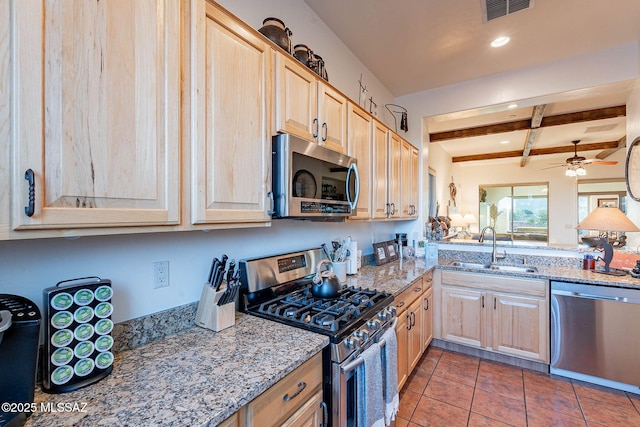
[[311, 181]]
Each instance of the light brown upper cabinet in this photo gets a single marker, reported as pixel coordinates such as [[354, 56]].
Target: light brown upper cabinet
[[230, 113], [410, 176], [387, 173], [307, 107], [95, 113], [360, 125]]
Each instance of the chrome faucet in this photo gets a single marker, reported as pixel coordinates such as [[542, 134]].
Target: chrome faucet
[[494, 254]]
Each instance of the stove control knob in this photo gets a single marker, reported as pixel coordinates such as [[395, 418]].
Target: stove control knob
[[392, 311], [373, 324], [383, 315], [352, 343], [362, 335]]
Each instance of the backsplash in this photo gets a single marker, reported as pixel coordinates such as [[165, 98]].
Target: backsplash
[[485, 257], [142, 330]]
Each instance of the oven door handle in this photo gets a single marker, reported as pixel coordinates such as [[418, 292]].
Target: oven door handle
[[353, 169], [360, 360]]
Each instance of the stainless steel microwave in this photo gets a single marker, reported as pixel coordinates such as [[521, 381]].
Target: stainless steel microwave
[[311, 181]]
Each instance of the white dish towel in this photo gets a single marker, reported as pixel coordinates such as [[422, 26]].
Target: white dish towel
[[390, 369], [370, 402]]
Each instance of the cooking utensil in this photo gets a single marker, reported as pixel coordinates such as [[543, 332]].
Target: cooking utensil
[[326, 251], [325, 283]]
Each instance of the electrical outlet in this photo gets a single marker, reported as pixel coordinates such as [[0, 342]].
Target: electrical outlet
[[160, 274]]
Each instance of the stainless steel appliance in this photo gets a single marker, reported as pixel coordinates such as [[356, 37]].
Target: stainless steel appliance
[[594, 336], [279, 288], [311, 181], [19, 335]]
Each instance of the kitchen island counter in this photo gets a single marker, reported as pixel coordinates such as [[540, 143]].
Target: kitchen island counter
[[194, 377]]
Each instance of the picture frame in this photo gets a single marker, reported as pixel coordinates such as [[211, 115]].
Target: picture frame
[[380, 253], [392, 255], [609, 202]]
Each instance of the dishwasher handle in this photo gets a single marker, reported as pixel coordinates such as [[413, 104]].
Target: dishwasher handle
[[590, 296]]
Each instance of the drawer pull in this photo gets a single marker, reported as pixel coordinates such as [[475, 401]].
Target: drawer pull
[[30, 208], [401, 304], [301, 386], [426, 300], [417, 290]]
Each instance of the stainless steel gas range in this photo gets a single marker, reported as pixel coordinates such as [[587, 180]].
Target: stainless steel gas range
[[279, 288]]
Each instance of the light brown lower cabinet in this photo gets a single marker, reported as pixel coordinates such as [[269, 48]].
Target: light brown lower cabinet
[[509, 315], [414, 329], [294, 401]]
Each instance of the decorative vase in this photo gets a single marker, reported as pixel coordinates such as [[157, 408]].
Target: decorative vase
[[275, 30], [302, 53]]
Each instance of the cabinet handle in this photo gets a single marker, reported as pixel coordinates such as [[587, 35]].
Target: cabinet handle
[[409, 325], [315, 128], [387, 209], [393, 209], [417, 290], [426, 300], [301, 386], [272, 204], [494, 303], [482, 301], [400, 305], [325, 132], [325, 414], [30, 209]]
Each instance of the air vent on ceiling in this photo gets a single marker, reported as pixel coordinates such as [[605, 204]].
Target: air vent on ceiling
[[498, 8], [602, 128]]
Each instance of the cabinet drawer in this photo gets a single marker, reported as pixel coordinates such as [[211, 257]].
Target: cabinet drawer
[[409, 295], [494, 282], [427, 280], [278, 403]]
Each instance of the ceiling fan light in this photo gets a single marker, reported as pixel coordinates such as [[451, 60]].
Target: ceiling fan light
[[570, 172], [581, 171], [500, 41]]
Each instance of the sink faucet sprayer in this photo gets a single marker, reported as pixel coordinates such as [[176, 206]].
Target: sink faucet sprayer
[[494, 254]]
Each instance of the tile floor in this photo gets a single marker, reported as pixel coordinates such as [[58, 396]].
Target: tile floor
[[452, 389]]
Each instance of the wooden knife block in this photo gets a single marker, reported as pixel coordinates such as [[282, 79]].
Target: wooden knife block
[[212, 316]]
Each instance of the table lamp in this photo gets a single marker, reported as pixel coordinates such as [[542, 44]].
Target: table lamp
[[607, 219]]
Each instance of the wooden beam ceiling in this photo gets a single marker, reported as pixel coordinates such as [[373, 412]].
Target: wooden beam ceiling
[[536, 151], [622, 143], [526, 124], [536, 120]]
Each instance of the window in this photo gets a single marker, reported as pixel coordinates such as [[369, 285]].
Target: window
[[595, 193], [432, 204], [522, 211]]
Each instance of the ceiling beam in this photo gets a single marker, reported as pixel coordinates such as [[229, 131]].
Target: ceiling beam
[[622, 143], [536, 120], [536, 152], [525, 124]]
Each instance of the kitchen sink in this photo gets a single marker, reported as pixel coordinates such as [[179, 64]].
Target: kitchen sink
[[495, 267]]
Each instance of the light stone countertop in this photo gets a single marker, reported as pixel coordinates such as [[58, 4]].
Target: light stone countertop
[[199, 377], [193, 378]]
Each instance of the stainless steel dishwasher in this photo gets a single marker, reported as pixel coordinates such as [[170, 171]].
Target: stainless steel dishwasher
[[595, 335]]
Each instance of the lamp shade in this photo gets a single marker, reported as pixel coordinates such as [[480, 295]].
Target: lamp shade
[[607, 219], [470, 219]]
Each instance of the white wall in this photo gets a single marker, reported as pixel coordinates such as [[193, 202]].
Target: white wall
[[27, 267]]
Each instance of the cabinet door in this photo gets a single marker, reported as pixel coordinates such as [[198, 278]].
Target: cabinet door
[[231, 142], [410, 180], [415, 344], [332, 116], [96, 89], [380, 170], [427, 318], [402, 335], [296, 100], [359, 123], [463, 316], [395, 166], [520, 326], [310, 415]]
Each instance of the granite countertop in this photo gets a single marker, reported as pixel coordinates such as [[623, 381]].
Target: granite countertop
[[561, 273], [194, 377], [393, 277]]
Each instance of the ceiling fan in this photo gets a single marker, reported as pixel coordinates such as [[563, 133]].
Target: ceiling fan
[[575, 163]]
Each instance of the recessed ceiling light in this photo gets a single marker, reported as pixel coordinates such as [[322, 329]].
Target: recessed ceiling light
[[504, 142], [500, 41], [512, 106]]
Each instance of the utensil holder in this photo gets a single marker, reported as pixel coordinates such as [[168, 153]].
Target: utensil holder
[[212, 316]]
